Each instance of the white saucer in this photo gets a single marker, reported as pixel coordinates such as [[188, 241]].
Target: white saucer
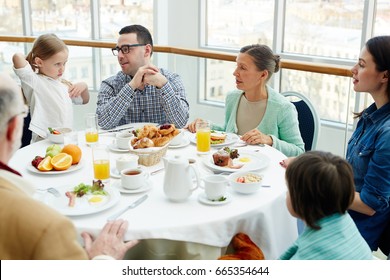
[[115, 173], [203, 199], [185, 142], [148, 186], [113, 147]]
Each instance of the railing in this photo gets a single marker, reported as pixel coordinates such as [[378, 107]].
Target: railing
[[285, 63]]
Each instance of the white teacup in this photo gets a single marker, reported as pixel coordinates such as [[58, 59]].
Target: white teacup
[[134, 178], [215, 186], [178, 139], [126, 162], [123, 140]]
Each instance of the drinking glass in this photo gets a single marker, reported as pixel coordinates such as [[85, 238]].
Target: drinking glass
[[203, 136], [91, 128], [101, 162]]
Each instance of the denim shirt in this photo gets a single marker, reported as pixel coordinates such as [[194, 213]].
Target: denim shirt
[[369, 154]]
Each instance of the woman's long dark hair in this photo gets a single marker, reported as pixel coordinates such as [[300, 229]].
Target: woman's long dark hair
[[379, 48]]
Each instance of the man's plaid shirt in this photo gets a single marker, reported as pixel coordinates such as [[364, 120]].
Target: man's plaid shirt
[[119, 104]]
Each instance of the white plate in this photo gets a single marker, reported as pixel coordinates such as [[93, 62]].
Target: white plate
[[82, 206], [183, 144], [72, 168], [203, 198], [231, 138], [256, 162], [113, 147], [146, 187], [139, 125]]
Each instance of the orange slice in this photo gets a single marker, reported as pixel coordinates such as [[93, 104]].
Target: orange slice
[[62, 161], [45, 164]]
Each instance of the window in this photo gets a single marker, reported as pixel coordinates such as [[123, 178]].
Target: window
[[329, 29], [382, 17], [314, 31], [235, 23], [70, 19], [115, 14], [65, 18]]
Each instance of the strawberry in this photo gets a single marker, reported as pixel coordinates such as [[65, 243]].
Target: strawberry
[[35, 162], [53, 131]]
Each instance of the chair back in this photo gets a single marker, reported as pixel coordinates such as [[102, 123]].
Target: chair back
[[27, 134], [309, 121]]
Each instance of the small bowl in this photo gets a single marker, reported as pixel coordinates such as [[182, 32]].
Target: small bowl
[[59, 138], [246, 187]]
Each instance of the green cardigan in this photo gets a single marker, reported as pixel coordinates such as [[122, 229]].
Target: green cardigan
[[280, 121]]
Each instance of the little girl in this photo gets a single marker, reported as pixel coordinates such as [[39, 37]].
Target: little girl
[[320, 190], [49, 96]]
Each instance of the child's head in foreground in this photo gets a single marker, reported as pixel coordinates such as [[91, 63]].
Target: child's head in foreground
[[319, 184]]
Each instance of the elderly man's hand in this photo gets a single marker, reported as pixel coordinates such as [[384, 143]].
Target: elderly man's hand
[[110, 241]]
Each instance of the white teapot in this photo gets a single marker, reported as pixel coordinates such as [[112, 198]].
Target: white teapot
[[178, 184]]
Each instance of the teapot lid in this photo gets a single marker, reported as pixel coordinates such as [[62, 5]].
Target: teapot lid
[[177, 159]]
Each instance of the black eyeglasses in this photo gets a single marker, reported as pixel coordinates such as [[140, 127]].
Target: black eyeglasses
[[125, 48]]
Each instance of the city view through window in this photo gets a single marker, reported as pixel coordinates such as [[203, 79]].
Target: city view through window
[[318, 31]]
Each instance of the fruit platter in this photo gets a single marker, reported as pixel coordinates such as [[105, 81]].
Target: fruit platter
[[57, 160]]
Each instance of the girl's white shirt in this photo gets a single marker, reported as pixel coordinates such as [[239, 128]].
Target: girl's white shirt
[[48, 99]]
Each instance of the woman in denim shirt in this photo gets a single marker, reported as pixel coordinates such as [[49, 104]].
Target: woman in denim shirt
[[369, 147]]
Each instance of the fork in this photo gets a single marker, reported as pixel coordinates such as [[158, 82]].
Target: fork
[[53, 191]]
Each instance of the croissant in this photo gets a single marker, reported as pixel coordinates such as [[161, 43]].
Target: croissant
[[174, 133], [160, 141], [143, 143], [146, 130]]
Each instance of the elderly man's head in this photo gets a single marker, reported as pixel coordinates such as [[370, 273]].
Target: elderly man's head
[[12, 111]]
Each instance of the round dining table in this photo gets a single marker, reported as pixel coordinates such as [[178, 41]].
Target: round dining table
[[191, 229]]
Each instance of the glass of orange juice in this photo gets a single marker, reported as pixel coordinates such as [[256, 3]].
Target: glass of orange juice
[[101, 162], [91, 129], [203, 136]]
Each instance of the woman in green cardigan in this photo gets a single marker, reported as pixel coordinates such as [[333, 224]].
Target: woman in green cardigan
[[256, 111]]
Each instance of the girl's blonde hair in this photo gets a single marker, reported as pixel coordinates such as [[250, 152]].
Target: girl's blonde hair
[[44, 47]]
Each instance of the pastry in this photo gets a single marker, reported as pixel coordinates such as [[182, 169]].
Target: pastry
[[221, 158], [143, 143]]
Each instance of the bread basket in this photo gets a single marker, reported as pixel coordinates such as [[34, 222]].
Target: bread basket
[[150, 156]]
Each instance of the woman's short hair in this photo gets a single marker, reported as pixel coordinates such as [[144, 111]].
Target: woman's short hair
[[320, 184], [263, 57]]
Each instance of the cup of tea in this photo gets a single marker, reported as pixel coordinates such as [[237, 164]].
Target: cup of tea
[[134, 178], [203, 132], [91, 128], [126, 162], [123, 140], [101, 162], [215, 186]]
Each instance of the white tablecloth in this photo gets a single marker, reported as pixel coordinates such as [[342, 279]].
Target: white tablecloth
[[263, 215]]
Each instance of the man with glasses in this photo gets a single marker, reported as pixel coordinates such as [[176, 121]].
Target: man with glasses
[[141, 92], [30, 229]]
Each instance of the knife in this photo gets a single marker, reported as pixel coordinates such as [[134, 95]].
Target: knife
[[133, 205]]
